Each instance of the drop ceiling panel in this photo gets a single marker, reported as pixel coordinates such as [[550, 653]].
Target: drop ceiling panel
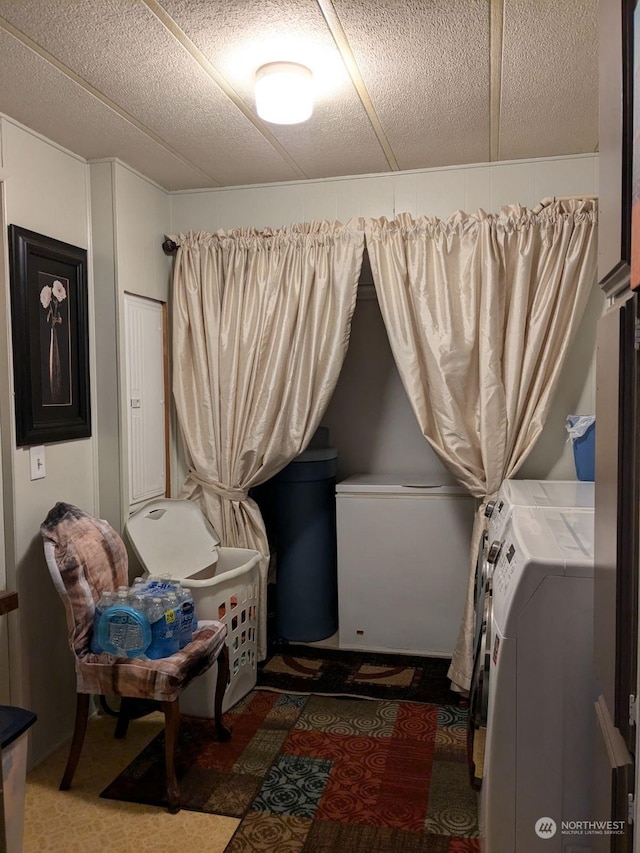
[[167, 85], [426, 68], [239, 37], [40, 97], [549, 102], [122, 49]]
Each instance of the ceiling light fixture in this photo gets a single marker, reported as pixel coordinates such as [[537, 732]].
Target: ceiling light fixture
[[283, 92]]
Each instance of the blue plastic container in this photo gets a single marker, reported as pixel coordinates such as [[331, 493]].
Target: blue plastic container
[[304, 516], [584, 451]]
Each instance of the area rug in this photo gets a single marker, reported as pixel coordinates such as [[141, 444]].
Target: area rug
[[314, 774], [334, 672]]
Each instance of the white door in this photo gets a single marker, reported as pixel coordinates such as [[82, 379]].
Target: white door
[[146, 421]]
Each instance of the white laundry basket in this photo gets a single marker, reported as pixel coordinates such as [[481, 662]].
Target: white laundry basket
[[173, 538]]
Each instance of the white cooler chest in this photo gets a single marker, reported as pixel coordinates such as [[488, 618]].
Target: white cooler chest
[[403, 563], [173, 538]]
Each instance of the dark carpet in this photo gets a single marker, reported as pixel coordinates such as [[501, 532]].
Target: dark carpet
[[335, 672]]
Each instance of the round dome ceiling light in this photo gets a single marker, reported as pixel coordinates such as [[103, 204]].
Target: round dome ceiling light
[[283, 92]]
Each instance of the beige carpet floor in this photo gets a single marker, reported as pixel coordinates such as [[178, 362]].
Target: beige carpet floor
[[79, 821]]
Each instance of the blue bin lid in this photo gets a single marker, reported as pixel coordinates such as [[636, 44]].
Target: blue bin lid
[[317, 463], [316, 454]]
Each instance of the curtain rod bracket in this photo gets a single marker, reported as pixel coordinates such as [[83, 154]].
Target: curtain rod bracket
[[169, 247]]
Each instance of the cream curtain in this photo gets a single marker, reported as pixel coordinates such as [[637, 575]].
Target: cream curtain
[[261, 323], [480, 310]]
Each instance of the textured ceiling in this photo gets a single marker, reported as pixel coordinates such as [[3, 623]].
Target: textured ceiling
[[400, 84]]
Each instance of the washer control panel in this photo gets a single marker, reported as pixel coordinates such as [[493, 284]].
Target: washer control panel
[[505, 568]]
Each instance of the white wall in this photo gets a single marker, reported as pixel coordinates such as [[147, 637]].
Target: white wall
[[45, 190], [434, 192], [142, 215], [370, 418], [130, 215], [129, 219]]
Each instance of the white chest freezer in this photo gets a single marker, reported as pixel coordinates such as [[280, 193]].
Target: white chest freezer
[[403, 563]]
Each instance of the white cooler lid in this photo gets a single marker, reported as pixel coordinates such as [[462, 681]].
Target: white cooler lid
[[399, 484], [172, 537]]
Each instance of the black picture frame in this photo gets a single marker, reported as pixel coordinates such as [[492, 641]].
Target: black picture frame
[[50, 331]]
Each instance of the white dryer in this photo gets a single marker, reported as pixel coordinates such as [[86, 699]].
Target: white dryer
[[541, 689], [534, 493], [537, 493], [513, 493]]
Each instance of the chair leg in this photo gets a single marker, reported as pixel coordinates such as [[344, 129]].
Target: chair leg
[[82, 714], [124, 716], [221, 684], [172, 726]]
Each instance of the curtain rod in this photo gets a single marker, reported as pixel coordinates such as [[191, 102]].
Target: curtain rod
[[170, 248], [551, 198]]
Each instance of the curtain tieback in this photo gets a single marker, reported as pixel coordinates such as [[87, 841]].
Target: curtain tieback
[[226, 492]]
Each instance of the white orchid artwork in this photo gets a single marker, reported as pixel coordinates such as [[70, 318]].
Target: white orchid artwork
[[51, 297]]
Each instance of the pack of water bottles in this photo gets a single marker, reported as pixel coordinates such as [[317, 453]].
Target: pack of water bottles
[[152, 619]]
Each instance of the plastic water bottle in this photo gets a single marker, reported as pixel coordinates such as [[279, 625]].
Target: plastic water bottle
[[139, 601], [165, 637], [188, 622], [138, 586], [161, 584], [172, 620], [124, 627], [106, 599], [155, 613]]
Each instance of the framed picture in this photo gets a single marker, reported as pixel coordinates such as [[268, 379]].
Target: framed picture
[[49, 323]]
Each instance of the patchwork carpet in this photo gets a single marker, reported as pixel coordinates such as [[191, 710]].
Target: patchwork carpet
[[334, 672], [313, 774]]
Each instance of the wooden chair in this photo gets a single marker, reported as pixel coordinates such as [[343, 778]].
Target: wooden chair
[[86, 557]]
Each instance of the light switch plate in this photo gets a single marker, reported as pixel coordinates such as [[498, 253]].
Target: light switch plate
[[36, 458]]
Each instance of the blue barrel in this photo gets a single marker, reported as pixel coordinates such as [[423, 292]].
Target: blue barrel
[[304, 518]]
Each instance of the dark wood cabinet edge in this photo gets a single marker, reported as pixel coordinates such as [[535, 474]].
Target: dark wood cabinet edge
[[8, 602]]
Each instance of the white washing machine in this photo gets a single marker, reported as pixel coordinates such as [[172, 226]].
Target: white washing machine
[[541, 493], [541, 688], [535, 493], [531, 493]]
